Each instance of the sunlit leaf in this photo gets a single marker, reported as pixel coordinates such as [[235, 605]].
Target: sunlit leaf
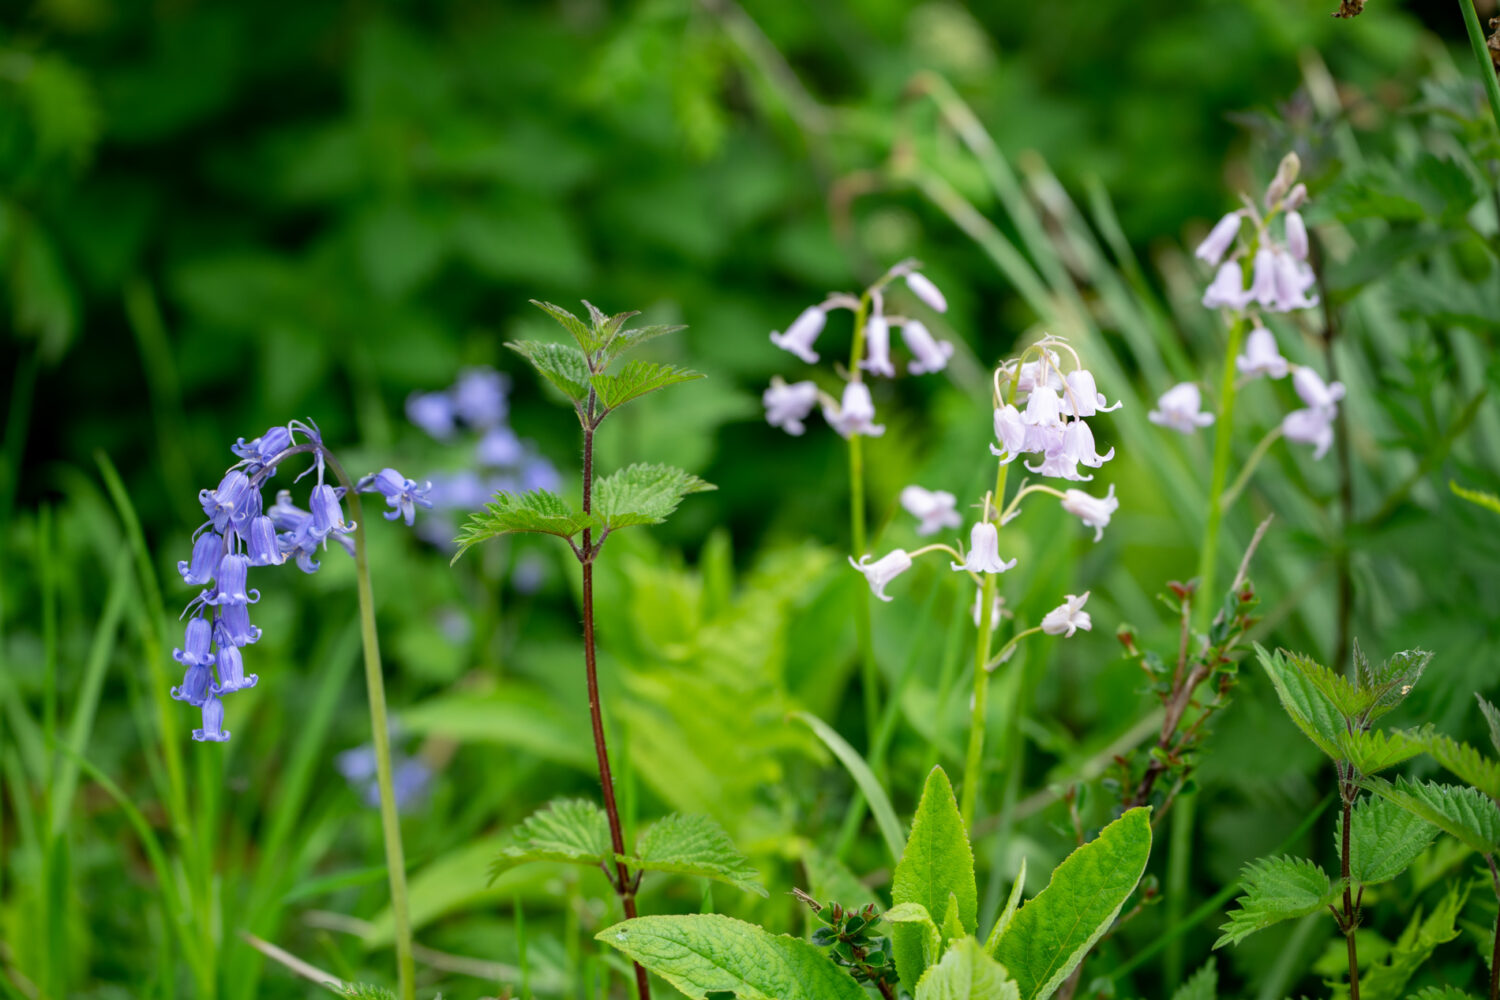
[[693, 845], [643, 494], [1276, 889]]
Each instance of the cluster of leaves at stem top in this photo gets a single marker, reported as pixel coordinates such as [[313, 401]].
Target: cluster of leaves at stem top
[[930, 946], [639, 494]]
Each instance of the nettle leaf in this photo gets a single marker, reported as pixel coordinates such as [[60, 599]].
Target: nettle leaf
[[1017, 889], [535, 512], [1463, 813], [1052, 933], [1387, 981], [1310, 709], [967, 973], [606, 327], [1492, 717], [571, 830], [693, 845], [1384, 839], [707, 953], [1201, 985], [1440, 993], [637, 379], [1276, 889], [937, 865], [1463, 760], [362, 991], [1390, 683], [563, 366], [579, 330], [913, 922], [643, 494], [1371, 752]]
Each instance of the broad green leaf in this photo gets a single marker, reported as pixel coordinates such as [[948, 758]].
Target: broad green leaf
[[1311, 710], [1349, 700], [536, 512], [571, 830], [1372, 751], [693, 845], [563, 366], [1201, 985], [707, 953], [967, 973], [637, 379], [575, 326], [937, 865], [1492, 718], [643, 494], [1464, 813], [953, 924], [1017, 890], [880, 803], [1464, 761], [1276, 889], [1384, 840], [628, 339], [1479, 498], [912, 922], [1387, 981], [1052, 933]]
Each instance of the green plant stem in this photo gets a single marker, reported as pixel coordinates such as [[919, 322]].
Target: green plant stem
[[390, 820], [869, 673], [1208, 557], [621, 878], [1482, 58], [1262, 447], [974, 759]]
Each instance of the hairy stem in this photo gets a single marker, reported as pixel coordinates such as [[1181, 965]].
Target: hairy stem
[[622, 882], [974, 759], [380, 733], [1351, 917]]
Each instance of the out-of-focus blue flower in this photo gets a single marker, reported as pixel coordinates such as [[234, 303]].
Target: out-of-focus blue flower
[[500, 447], [479, 397], [411, 778], [539, 474], [431, 411], [403, 495]]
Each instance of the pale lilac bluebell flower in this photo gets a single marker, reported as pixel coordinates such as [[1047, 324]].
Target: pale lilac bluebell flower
[[1227, 290], [935, 509], [1093, 511], [929, 354], [1180, 409], [787, 406], [877, 357], [803, 332], [1068, 617], [1078, 445], [1220, 238], [1081, 395], [1296, 235], [1011, 431], [1261, 356], [1309, 426], [984, 551], [922, 287], [855, 414], [883, 570]]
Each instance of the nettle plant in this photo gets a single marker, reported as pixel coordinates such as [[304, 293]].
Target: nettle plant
[[1384, 826], [575, 830], [928, 944]]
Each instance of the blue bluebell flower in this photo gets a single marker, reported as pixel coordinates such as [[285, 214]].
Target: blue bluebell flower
[[403, 495], [213, 730], [411, 778], [262, 545], [259, 452], [226, 502], [231, 587], [232, 626], [433, 412], [500, 447], [327, 513], [479, 397], [232, 672], [199, 570]]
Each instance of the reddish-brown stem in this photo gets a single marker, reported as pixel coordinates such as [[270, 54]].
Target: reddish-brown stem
[[1351, 913], [622, 881]]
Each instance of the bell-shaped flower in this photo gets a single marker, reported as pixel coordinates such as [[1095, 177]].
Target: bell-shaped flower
[[1315, 393], [1068, 617], [922, 287], [1178, 408], [1081, 396], [936, 509], [984, 551], [213, 730], [1296, 235], [997, 607], [327, 513], [1010, 429], [1093, 511], [199, 570], [285, 515], [1060, 462], [803, 332], [1078, 443], [1263, 279], [500, 447], [402, 495], [197, 638], [1039, 373], [1312, 426], [232, 672], [855, 414], [196, 683], [1043, 407], [1293, 280], [432, 412], [1261, 356], [877, 357], [481, 397], [233, 628], [788, 405], [1227, 290], [227, 502], [230, 585], [261, 544], [883, 570], [1212, 249], [1044, 439], [262, 450], [929, 354]]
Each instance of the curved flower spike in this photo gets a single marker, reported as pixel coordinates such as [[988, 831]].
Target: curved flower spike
[[883, 570], [1068, 617], [984, 551]]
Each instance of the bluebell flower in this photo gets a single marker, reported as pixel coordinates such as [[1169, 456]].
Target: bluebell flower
[[199, 570], [231, 586], [539, 474], [232, 626], [259, 452], [479, 397], [225, 502], [403, 495], [410, 777], [261, 544], [213, 730], [433, 412], [500, 447], [232, 672], [327, 513], [196, 683]]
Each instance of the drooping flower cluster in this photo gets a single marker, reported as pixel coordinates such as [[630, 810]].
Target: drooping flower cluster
[[1040, 409], [241, 533], [852, 412]]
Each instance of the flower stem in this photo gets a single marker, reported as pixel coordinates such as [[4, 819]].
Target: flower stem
[[624, 886], [869, 673], [1482, 57], [974, 759], [1208, 558], [1242, 480], [390, 821]]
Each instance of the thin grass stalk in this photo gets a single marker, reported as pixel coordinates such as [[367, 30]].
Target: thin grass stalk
[[1482, 57]]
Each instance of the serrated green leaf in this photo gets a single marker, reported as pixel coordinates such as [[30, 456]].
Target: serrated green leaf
[[571, 830], [1464, 813], [535, 512], [913, 923], [1481, 499], [1464, 761], [693, 845], [576, 327], [563, 366], [1017, 890], [1371, 752], [704, 953], [1384, 840], [643, 494], [1276, 889], [1201, 985], [637, 379], [1389, 684], [606, 327], [1440, 993], [1052, 933], [967, 973], [1310, 709], [1387, 981], [362, 991], [1492, 718], [1347, 699], [937, 864]]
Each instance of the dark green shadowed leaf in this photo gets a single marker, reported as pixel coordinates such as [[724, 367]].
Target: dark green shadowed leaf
[[576, 327], [1052, 933], [570, 830], [1201, 985], [1276, 889], [537, 512], [1464, 813], [1492, 718], [1417, 943], [693, 845], [706, 953], [1383, 840], [563, 366], [637, 379], [643, 494], [967, 973]]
